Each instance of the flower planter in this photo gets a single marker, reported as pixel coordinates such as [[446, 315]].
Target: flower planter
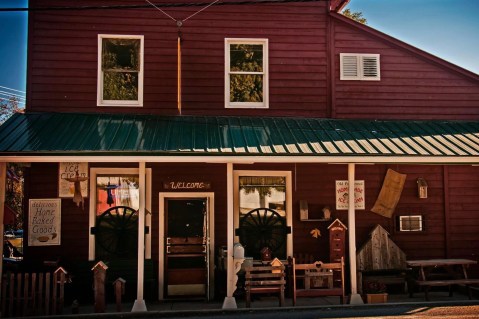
[[377, 298]]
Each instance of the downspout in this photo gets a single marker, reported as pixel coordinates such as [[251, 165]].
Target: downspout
[[139, 304], [355, 297]]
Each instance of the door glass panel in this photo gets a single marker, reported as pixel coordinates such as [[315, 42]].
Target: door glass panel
[[262, 220], [116, 228]]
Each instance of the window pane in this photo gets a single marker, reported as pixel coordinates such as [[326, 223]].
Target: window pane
[[246, 88], [246, 57], [120, 86], [262, 192], [121, 54], [117, 191]]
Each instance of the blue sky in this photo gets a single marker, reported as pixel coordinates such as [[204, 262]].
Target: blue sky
[[13, 53], [448, 29]]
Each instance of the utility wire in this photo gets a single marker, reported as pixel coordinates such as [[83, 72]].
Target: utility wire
[[12, 95], [10, 89], [158, 5]]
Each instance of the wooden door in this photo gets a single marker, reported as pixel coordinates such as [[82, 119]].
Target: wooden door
[[186, 247]]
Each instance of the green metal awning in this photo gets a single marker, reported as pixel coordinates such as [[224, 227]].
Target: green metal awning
[[74, 134]]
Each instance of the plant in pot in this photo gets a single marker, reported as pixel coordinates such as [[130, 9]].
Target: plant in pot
[[376, 291]]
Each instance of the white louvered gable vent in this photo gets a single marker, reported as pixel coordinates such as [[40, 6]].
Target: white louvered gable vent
[[359, 67]]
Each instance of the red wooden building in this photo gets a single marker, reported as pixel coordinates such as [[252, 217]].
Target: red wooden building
[[200, 121]]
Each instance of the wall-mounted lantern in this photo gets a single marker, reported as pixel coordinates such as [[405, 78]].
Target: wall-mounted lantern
[[421, 187]]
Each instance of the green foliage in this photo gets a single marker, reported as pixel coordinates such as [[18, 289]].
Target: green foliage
[[120, 86], [120, 65], [245, 86], [356, 16]]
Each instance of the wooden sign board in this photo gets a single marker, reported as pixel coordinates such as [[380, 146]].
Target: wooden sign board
[[44, 221], [184, 185], [68, 170], [342, 197]]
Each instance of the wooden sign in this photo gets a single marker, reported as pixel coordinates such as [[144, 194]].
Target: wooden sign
[[342, 197], [44, 222], [182, 185], [68, 170]]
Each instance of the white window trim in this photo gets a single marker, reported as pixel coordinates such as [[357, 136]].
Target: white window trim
[[360, 67], [252, 105], [403, 217], [100, 101], [289, 201], [92, 220]]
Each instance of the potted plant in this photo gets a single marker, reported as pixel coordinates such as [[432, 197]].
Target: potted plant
[[376, 292]]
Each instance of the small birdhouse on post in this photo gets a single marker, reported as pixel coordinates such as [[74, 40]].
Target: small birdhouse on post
[[59, 281], [265, 254], [119, 286], [99, 275]]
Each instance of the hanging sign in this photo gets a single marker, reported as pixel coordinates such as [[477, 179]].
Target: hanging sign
[[68, 170], [342, 197], [177, 185], [44, 221]]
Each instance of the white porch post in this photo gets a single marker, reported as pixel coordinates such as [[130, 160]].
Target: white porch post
[[3, 179], [139, 304], [229, 301], [355, 297]]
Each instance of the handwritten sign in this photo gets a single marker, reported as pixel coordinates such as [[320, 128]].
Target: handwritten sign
[[68, 170], [342, 196], [176, 185], [44, 222]]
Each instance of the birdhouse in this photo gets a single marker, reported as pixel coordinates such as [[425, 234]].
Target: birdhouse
[[422, 187], [265, 254]]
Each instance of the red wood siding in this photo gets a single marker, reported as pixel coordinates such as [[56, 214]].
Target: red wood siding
[[314, 183], [411, 87], [63, 56]]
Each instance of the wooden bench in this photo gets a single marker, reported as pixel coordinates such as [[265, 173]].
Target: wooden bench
[[264, 280], [317, 280], [427, 284]]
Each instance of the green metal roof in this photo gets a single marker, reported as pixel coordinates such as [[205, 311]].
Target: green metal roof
[[63, 134]]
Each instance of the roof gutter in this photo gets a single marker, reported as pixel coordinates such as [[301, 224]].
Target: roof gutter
[[438, 160]]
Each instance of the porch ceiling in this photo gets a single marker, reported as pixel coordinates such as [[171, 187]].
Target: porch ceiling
[[75, 134]]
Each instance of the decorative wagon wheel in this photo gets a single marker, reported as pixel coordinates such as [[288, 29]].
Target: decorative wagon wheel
[[117, 231], [263, 227]]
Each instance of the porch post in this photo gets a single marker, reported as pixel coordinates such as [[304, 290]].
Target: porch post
[[355, 297], [229, 302], [3, 179], [139, 304]]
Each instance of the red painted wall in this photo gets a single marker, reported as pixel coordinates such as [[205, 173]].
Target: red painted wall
[[63, 56], [411, 86]]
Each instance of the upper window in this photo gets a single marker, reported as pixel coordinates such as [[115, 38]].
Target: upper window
[[246, 73], [120, 70], [364, 67]]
